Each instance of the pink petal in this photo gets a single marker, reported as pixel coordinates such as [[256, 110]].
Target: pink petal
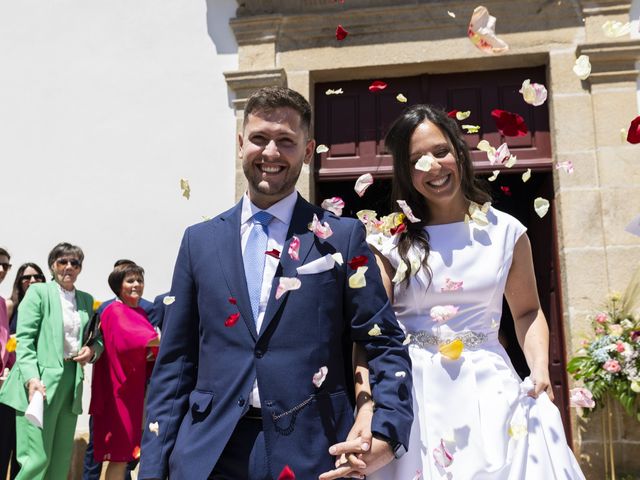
[[442, 456], [566, 166], [320, 230], [442, 313], [451, 286], [482, 32], [286, 284], [407, 211], [581, 397], [363, 182], [320, 376], [294, 246], [334, 205]]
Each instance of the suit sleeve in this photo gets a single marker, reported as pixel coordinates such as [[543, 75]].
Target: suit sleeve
[[174, 374], [31, 316], [375, 328]]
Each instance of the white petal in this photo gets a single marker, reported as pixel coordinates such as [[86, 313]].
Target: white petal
[[582, 67], [401, 98], [168, 300], [401, 272], [407, 211], [154, 428], [358, 280], [363, 182], [338, 258], [320, 376], [494, 176], [286, 284], [322, 148], [401, 374], [463, 115], [484, 146], [541, 206], [526, 175], [451, 14], [375, 331], [425, 163]]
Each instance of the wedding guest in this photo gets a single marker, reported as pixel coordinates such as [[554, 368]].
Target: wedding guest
[[27, 274], [120, 376], [49, 360]]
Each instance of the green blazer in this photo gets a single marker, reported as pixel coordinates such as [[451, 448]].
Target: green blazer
[[40, 337]]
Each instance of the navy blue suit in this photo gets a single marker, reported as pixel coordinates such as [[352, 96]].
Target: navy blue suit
[[205, 370], [158, 310]]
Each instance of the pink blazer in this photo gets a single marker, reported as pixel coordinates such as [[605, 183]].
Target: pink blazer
[[6, 359]]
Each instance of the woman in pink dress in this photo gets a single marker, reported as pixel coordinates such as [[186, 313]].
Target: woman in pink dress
[[120, 375]]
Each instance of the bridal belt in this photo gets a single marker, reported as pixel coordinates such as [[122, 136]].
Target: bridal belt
[[426, 339]]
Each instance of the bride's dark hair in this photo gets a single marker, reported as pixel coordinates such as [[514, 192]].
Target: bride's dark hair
[[397, 142]]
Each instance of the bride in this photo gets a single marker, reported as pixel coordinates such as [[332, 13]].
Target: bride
[[446, 266]]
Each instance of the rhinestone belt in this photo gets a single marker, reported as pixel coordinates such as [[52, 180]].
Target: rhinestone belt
[[425, 339]]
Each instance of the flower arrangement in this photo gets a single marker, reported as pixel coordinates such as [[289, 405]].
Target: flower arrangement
[[609, 363]]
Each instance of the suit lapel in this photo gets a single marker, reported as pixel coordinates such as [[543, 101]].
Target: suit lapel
[[228, 247], [56, 321], [299, 227]]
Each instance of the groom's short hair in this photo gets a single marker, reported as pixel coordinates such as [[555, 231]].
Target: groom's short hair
[[270, 98]]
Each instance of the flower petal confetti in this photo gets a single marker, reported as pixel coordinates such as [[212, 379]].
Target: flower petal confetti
[[451, 286], [186, 189], [533, 93], [341, 33], [494, 176], [375, 331], [518, 431], [337, 257], [11, 344], [526, 175], [452, 113], [633, 134], [363, 182], [511, 161], [451, 14], [443, 313], [232, 301], [358, 280], [425, 162], [359, 261], [337, 91], [506, 190], [320, 376], [482, 32], [286, 284], [541, 206], [581, 397], [168, 300], [484, 146], [463, 115], [478, 213], [509, 124], [275, 253], [442, 456], [322, 148], [334, 205], [401, 98], [614, 29], [287, 474], [566, 166], [377, 86], [582, 67], [154, 428], [320, 230], [500, 155], [470, 128], [231, 320], [294, 247], [452, 350], [401, 374], [136, 453], [407, 211], [401, 273]]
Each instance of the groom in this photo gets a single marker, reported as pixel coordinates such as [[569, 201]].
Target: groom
[[254, 372]]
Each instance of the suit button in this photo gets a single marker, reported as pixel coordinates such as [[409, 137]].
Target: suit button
[[259, 353], [241, 402]]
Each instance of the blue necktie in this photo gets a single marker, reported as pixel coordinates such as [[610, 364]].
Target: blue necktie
[[254, 258]]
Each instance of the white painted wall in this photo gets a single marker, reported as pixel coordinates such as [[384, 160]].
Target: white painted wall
[[104, 106], [634, 19]]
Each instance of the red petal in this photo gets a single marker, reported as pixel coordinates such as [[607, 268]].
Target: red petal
[[359, 261], [633, 135], [509, 124], [506, 191], [341, 33], [287, 474], [377, 86], [399, 229], [452, 113], [136, 453], [231, 320], [233, 301], [273, 253]]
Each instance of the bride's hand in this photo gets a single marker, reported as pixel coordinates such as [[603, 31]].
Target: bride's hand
[[541, 382]]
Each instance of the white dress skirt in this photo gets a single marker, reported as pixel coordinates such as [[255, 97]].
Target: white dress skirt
[[473, 419]]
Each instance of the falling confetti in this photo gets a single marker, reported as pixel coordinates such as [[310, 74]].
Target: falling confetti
[[401, 374], [375, 331], [509, 124], [294, 247], [275, 253], [11, 344], [533, 93], [541, 206], [633, 134], [425, 162], [358, 280], [614, 29], [401, 98], [582, 67], [511, 161], [443, 313], [286, 284], [231, 320], [451, 14], [363, 182], [518, 431], [482, 32], [498, 155], [232, 301], [566, 166], [322, 149], [334, 205], [337, 257], [442, 456], [377, 86], [154, 428], [581, 397], [337, 91], [287, 473], [478, 213], [526, 175], [320, 376], [451, 286], [401, 273], [494, 176], [471, 128], [168, 300], [451, 350], [320, 230], [341, 33], [407, 211], [186, 189], [463, 115], [506, 190], [359, 261], [136, 453]]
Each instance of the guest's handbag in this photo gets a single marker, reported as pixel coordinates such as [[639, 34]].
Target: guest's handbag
[[92, 331]]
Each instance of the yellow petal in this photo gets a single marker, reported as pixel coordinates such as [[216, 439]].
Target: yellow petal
[[375, 331], [186, 189], [322, 148], [452, 350], [623, 134], [330, 91], [518, 431], [613, 29], [358, 280], [541, 206], [11, 344], [484, 146], [494, 176], [96, 304], [401, 98], [511, 162], [338, 258], [401, 272], [463, 115], [471, 128], [526, 175], [168, 300]]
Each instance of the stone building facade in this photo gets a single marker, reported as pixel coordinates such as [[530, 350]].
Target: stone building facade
[[292, 43]]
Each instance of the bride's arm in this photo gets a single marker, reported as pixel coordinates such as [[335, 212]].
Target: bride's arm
[[530, 324]]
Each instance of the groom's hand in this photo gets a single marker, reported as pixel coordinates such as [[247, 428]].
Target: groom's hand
[[348, 463], [377, 457]]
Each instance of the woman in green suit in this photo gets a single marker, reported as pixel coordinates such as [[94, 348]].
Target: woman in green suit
[[49, 359]]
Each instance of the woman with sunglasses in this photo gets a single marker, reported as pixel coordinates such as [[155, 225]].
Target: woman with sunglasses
[[27, 274], [49, 360]]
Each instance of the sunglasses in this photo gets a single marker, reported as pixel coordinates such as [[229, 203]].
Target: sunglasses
[[36, 276], [5, 266], [71, 261]]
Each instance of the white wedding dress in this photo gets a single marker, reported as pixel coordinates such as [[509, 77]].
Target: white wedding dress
[[472, 417]]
